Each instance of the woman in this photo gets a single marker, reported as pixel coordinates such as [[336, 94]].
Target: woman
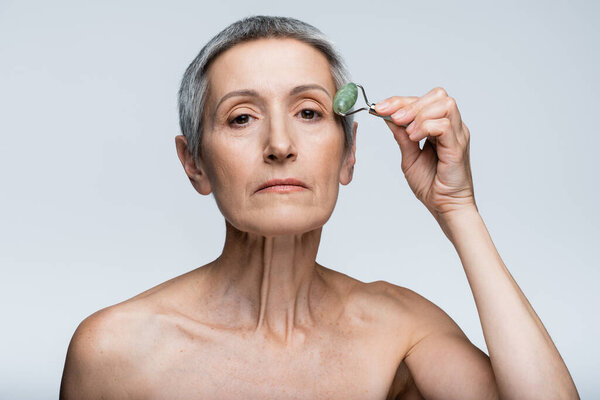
[[264, 320]]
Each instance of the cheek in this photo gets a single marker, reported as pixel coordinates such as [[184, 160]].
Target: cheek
[[325, 160], [329, 151], [229, 183], [227, 169]]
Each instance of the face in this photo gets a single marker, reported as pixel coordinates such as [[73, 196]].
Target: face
[[269, 116]]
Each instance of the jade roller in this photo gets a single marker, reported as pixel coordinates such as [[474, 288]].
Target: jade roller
[[346, 97]]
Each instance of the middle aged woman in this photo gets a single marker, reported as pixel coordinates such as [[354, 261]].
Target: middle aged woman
[[265, 320]]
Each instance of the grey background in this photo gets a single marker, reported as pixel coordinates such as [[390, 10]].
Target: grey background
[[95, 206]]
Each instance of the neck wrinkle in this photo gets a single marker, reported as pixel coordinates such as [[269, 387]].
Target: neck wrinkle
[[274, 277]]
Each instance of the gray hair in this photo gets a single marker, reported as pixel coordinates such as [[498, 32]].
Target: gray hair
[[194, 85]]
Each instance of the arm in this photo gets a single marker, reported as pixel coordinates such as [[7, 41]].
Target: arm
[[525, 361], [523, 357], [443, 362]]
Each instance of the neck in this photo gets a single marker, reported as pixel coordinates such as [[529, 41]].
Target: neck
[[275, 278]]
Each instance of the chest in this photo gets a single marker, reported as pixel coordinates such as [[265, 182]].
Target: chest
[[250, 370]]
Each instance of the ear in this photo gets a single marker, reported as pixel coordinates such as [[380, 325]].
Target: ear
[[196, 173], [347, 169]]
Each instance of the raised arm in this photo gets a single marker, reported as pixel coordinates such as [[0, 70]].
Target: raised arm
[[442, 361], [524, 360]]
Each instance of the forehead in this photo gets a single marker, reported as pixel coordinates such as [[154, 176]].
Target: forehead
[[273, 65]]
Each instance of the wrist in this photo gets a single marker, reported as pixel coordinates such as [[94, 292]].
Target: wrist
[[452, 221], [458, 212]]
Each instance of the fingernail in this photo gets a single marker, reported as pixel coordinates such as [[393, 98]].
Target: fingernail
[[399, 114], [382, 106]]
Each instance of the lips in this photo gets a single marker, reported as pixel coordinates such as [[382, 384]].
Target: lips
[[287, 181]]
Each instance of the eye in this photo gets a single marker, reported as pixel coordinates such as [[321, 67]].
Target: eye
[[309, 114], [240, 121]]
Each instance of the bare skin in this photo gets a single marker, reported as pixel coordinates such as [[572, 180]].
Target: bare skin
[[194, 338], [265, 320]]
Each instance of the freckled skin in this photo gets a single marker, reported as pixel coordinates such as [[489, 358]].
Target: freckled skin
[[352, 349], [264, 320]]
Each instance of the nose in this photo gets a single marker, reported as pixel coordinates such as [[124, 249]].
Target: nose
[[280, 144]]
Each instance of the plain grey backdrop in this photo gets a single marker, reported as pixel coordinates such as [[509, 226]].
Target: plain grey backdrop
[[96, 208]]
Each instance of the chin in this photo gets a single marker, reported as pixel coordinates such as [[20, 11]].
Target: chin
[[280, 222]]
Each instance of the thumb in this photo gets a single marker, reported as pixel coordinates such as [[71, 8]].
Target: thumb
[[410, 150]]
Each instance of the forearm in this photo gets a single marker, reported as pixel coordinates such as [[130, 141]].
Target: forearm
[[525, 361]]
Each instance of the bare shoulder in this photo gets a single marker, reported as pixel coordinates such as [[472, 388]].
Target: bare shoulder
[[436, 354], [105, 352], [409, 304], [111, 348], [387, 298], [404, 311]]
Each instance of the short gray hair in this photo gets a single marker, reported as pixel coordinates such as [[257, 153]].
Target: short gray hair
[[194, 85]]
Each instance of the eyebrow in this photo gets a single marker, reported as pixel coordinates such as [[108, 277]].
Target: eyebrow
[[254, 93], [304, 88]]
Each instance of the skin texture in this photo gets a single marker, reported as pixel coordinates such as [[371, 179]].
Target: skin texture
[[265, 320]]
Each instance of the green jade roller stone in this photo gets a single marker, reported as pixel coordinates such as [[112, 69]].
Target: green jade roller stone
[[345, 98]]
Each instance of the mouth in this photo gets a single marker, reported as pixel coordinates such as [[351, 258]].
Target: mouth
[[282, 186]]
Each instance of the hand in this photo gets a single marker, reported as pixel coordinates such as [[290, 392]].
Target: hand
[[440, 173]]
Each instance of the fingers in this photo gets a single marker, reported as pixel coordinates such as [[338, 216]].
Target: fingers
[[435, 104], [429, 128], [409, 150], [434, 116], [407, 108], [392, 104], [443, 108]]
